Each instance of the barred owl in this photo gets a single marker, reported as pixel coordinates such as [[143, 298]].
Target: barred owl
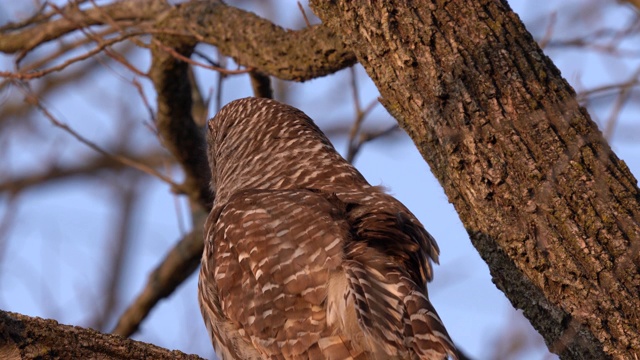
[[303, 258]]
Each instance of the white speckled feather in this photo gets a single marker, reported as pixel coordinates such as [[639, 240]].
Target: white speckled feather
[[303, 258]]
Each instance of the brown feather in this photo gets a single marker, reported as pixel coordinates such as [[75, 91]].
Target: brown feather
[[303, 258]]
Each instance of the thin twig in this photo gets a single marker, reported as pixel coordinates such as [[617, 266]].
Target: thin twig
[[37, 17], [353, 144], [113, 23], [32, 99], [181, 57], [38, 74], [549, 33], [89, 167], [221, 76], [145, 100], [84, 28], [605, 89], [62, 50], [623, 97], [304, 14]]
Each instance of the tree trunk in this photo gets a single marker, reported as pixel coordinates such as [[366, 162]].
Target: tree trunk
[[548, 205]]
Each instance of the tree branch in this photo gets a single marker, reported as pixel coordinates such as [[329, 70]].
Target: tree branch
[[176, 127], [24, 337], [90, 167], [289, 55], [179, 264], [75, 18]]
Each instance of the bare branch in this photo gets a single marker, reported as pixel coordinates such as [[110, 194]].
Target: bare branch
[[623, 97], [180, 263], [200, 108], [116, 248], [630, 83], [31, 37], [186, 59], [355, 145], [102, 46], [126, 161], [90, 167]]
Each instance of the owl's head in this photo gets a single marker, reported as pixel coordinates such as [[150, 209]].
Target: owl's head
[[257, 143]]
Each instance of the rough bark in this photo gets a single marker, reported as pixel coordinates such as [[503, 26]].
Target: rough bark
[[23, 337], [548, 205]]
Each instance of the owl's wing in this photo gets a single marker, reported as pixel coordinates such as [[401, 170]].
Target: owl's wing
[[387, 268], [273, 252], [391, 307]]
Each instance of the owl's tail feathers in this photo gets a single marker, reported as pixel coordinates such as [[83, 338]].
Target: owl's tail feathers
[[429, 338]]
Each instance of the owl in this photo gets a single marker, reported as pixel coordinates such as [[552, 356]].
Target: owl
[[303, 258]]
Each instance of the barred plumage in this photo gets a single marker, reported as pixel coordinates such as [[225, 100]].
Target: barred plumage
[[303, 258]]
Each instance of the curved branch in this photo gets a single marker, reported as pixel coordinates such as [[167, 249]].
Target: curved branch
[[290, 55], [176, 127]]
